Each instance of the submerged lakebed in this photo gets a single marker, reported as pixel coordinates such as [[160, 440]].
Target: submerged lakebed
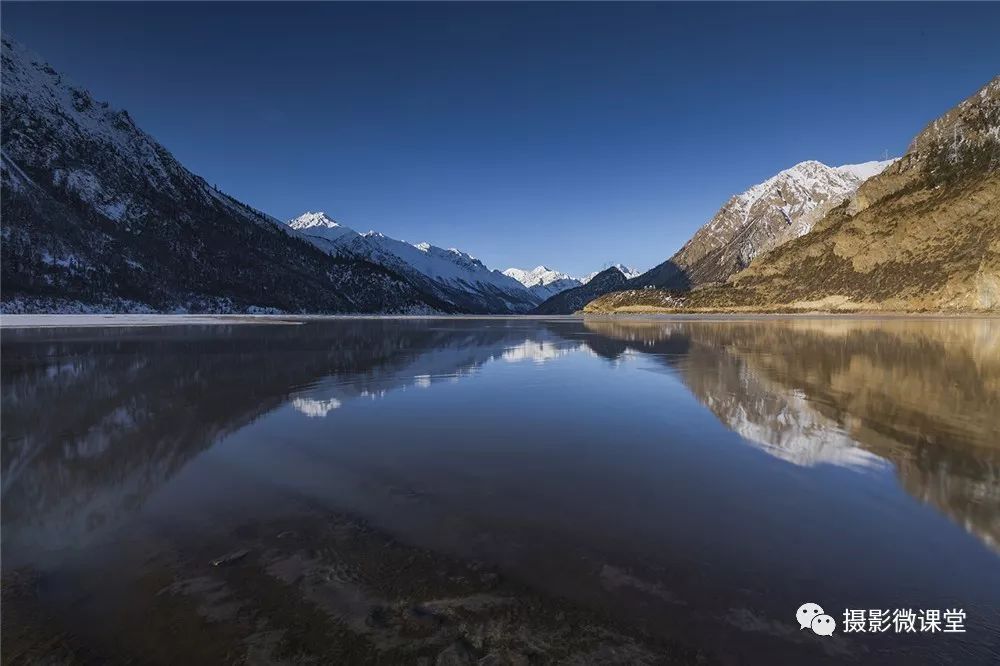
[[499, 490]]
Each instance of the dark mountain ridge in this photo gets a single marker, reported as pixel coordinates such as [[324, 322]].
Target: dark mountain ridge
[[98, 216]]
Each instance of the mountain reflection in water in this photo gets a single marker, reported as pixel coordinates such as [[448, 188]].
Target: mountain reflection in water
[[607, 460], [921, 395]]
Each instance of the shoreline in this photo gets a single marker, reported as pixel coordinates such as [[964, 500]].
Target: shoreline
[[38, 321]]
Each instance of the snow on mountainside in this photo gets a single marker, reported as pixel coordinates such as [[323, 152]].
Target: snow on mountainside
[[571, 300], [546, 282], [865, 170], [628, 272], [452, 275], [543, 281], [767, 215], [318, 224], [99, 217]]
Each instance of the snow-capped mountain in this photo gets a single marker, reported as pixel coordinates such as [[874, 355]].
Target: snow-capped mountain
[[451, 275], [98, 216], [628, 272], [545, 282], [571, 300], [542, 281], [781, 208], [318, 224]]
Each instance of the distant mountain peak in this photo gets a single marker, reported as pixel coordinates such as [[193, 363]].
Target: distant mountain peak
[[627, 271], [450, 274], [308, 220], [322, 225], [543, 281], [568, 301]]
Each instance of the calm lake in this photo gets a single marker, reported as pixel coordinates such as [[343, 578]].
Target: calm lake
[[683, 485]]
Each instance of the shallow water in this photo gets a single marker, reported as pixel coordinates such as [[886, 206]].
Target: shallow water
[[693, 479]]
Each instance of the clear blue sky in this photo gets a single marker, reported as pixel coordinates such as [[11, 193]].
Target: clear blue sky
[[564, 134]]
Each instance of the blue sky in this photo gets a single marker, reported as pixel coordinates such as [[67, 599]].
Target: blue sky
[[566, 134]]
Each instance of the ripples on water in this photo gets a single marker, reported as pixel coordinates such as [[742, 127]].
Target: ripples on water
[[697, 478]]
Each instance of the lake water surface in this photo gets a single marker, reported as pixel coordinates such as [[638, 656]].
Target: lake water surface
[[690, 481]]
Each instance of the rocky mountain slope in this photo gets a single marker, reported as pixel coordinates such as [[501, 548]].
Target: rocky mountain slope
[[924, 234], [767, 215], [98, 216], [451, 275], [542, 281], [571, 300]]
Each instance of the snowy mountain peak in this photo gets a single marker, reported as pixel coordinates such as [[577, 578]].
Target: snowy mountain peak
[[309, 220], [321, 225], [540, 275], [543, 281], [866, 170], [450, 274], [811, 175], [768, 214], [627, 271]]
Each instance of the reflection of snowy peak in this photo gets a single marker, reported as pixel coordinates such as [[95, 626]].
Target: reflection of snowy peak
[[786, 426], [451, 274], [540, 351]]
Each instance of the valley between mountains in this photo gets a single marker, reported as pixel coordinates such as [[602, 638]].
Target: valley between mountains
[[100, 217]]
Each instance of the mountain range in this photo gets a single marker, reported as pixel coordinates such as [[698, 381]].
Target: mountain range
[[923, 234], [571, 300], [451, 275], [545, 282], [768, 214], [542, 281], [100, 217]]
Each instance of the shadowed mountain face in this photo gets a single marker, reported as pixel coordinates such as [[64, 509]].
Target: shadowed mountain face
[[98, 216], [920, 396]]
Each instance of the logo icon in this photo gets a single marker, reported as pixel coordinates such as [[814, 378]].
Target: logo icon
[[812, 616], [823, 625]]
